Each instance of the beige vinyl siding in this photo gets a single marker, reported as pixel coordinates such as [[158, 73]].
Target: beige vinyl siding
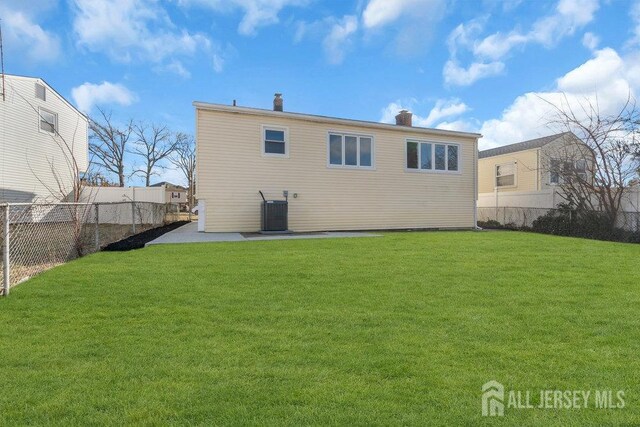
[[231, 170], [527, 171], [29, 155]]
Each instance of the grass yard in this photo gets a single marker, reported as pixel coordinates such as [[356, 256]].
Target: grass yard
[[401, 329]]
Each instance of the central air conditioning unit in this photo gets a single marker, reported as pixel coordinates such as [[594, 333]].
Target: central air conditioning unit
[[274, 215]]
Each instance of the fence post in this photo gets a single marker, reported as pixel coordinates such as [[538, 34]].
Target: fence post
[[133, 217], [6, 270], [97, 226], [570, 220], [504, 215]]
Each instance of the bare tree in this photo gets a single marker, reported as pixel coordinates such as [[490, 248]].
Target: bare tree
[[184, 158], [108, 144], [596, 164], [154, 143]]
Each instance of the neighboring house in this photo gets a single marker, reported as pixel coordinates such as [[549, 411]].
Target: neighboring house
[[41, 136], [522, 174], [174, 193], [339, 174]]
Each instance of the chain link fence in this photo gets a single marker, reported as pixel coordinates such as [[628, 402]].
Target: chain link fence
[[565, 222], [35, 237]]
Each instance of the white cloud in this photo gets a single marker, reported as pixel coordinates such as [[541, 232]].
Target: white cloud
[[336, 35], [458, 125], [489, 52], [598, 72], [88, 95], [257, 13], [498, 45], [443, 108], [218, 63], [464, 35], [590, 41], [338, 39], [174, 67], [133, 29], [415, 22], [605, 81], [22, 34], [456, 75], [378, 13], [568, 17]]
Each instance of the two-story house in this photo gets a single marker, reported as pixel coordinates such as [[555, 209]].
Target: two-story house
[[43, 142]]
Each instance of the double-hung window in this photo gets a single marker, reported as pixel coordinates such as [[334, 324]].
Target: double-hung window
[[353, 151], [581, 170], [275, 141], [561, 171], [431, 156], [48, 121], [506, 175]]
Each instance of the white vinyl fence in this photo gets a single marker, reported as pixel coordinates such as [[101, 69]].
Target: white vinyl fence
[[35, 237]]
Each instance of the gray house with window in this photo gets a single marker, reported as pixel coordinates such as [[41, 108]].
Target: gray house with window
[[43, 142]]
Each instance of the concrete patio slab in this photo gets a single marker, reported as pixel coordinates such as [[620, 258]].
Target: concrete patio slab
[[189, 234]]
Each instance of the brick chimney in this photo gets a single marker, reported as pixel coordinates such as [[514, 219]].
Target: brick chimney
[[404, 118], [277, 102]]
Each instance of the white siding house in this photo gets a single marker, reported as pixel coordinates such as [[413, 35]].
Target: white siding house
[[41, 136]]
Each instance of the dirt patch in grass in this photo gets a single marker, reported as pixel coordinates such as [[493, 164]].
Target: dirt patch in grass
[[137, 241]]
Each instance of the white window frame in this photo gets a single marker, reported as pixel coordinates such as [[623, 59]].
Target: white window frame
[[263, 140], [433, 156], [55, 124], [515, 175], [343, 134]]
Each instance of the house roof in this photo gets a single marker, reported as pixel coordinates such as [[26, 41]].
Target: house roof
[[333, 120], [168, 184], [521, 146], [50, 87]]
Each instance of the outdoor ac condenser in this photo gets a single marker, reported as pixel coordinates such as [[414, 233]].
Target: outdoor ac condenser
[[274, 215]]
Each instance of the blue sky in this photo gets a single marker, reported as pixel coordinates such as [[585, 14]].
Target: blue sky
[[483, 66]]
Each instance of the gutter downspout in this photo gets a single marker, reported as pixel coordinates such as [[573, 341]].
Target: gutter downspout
[[475, 186]]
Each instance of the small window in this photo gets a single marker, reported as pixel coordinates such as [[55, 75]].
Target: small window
[[506, 175], [428, 156], [353, 151], [48, 121], [554, 171], [560, 171], [275, 141], [581, 170], [41, 92]]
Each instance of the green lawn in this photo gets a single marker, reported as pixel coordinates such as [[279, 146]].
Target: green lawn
[[400, 329]]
